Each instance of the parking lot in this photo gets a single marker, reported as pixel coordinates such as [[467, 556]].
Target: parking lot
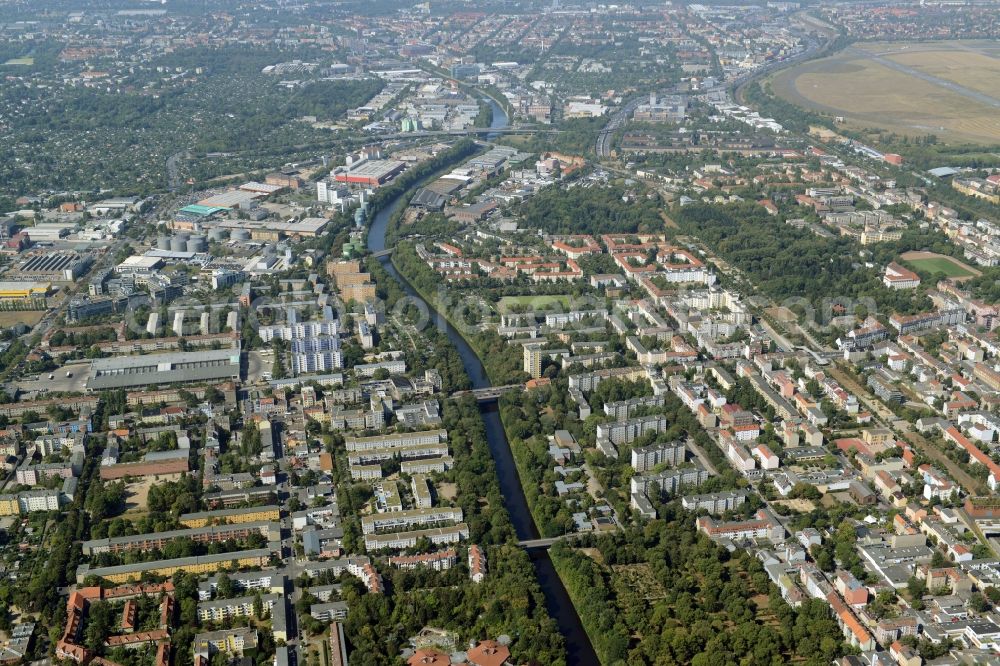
[[41, 384], [259, 365]]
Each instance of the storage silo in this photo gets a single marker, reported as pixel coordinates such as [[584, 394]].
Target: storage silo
[[241, 235], [179, 243], [197, 244], [218, 234], [163, 242]]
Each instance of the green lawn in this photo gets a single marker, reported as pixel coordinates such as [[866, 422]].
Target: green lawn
[[944, 265], [27, 60], [533, 302]]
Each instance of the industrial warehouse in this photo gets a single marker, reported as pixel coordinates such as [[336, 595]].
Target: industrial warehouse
[[372, 173], [19, 294], [134, 371]]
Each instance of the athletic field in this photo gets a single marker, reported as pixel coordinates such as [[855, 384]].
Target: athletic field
[[939, 263]]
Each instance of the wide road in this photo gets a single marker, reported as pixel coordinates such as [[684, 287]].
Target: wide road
[[617, 120]]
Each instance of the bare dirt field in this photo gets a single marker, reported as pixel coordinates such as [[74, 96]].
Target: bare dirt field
[[949, 89], [800, 505], [782, 314], [138, 492]]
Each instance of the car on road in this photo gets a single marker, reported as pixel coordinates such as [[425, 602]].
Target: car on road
[[69, 374], [51, 376]]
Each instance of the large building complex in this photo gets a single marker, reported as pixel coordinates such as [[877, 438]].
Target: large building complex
[[156, 369]]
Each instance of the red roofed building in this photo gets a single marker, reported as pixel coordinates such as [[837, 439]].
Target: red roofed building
[[128, 615], [167, 612], [766, 457], [577, 246], [488, 653], [66, 647], [762, 526], [976, 456], [438, 561], [163, 654], [372, 579], [847, 444], [853, 591], [769, 206], [897, 277], [137, 638], [854, 631], [477, 564]]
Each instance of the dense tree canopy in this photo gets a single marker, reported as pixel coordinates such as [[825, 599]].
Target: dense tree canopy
[[665, 594], [590, 210], [785, 262]]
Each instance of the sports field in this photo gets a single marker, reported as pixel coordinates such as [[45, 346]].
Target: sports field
[[529, 302], [26, 61], [938, 263], [950, 89]]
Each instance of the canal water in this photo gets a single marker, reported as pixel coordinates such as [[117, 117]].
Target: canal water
[[578, 646]]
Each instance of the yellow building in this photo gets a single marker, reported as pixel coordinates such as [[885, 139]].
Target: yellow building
[[348, 279], [227, 641], [872, 236], [360, 293], [203, 564], [231, 516], [533, 359], [976, 187], [23, 291], [878, 436], [9, 506], [346, 266], [265, 235]]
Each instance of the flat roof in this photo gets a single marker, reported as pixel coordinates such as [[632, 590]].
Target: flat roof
[[942, 172], [239, 601], [270, 526], [169, 254], [307, 225], [151, 369], [229, 199], [375, 168], [201, 210], [139, 567], [141, 261], [264, 188], [160, 360], [220, 513], [13, 285]]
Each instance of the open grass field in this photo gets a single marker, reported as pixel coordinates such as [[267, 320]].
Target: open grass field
[[28, 317], [26, 61], [950, 89], [530, 302], [938, 263]]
